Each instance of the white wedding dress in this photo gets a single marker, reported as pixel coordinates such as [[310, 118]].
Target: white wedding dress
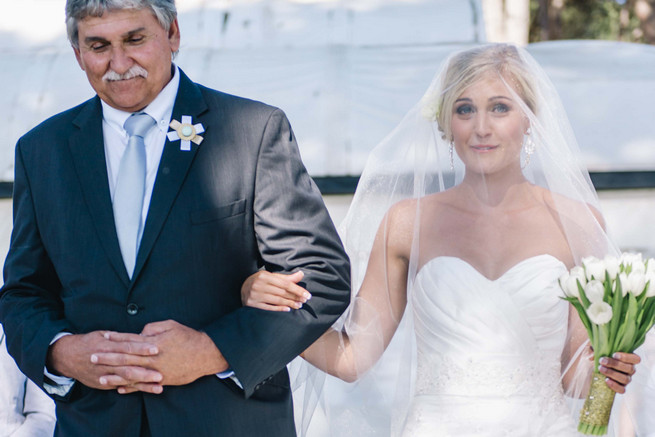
[[489, 351]]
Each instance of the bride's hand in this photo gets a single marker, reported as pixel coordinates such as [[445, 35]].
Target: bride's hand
[[619, 370], [274, 291]]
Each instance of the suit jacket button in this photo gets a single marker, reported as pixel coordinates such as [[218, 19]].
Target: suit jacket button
[[132, 309]]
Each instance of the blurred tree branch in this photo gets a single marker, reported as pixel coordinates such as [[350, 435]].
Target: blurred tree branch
[[627, 20], [645, 12]]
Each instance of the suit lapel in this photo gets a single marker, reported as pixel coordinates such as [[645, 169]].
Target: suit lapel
[[172, 171], [87, 149]]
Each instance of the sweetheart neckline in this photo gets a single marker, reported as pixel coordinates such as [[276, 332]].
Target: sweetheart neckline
[[505, 273]]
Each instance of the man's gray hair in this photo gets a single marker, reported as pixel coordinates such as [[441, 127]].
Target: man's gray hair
[[77, 10]]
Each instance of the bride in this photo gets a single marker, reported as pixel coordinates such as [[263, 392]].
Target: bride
[[480, 205]]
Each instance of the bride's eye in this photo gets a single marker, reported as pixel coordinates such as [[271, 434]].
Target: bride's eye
[[465, 109], [501, 108]]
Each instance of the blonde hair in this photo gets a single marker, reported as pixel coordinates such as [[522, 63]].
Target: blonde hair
[[467, 67]]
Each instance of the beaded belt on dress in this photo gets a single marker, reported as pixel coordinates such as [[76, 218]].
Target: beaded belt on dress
[[487, 376]]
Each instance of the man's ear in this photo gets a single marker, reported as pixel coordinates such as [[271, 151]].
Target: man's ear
[[174, 36], [78, 56]]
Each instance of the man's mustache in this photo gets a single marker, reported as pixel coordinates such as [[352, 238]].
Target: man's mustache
[[134, 71]]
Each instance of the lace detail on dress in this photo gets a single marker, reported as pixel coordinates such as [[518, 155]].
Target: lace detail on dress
[[507, 376], [485, 396]]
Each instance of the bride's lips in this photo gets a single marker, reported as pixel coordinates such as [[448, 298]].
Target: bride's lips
[[484, 147]]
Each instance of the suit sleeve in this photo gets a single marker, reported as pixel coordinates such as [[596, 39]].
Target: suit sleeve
[[294, 232], [30, 309]]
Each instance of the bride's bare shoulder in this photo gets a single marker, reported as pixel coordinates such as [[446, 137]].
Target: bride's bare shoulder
[[409, 207], [401, 219], [403, 213], [569, 208]]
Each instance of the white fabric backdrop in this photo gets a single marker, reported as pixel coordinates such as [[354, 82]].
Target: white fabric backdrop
[[344, 71]]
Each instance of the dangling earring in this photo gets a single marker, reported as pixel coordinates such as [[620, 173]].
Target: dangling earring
[[528, 147], [451, 153]]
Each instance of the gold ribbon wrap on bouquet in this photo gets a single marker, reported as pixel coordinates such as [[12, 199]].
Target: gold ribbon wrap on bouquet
[[595, 414]]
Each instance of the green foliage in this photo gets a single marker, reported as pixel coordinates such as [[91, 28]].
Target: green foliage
[[586, 19]]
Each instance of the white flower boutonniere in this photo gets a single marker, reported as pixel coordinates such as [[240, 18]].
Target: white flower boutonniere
[[186, 131]]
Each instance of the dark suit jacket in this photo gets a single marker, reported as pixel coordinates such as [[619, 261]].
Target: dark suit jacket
[[240, 200]]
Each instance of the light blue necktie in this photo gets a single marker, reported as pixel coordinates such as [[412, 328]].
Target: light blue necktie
[[130, 188]]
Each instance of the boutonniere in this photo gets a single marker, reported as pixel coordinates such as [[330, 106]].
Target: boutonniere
[[186, 132]]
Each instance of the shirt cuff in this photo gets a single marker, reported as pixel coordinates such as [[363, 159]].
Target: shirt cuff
[[57, 384], [229, 373]]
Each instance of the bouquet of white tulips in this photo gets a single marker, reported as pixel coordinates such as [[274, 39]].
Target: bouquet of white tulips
[[615, 299]]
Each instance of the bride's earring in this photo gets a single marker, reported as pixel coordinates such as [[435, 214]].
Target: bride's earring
[[528, 147], [451, 153]]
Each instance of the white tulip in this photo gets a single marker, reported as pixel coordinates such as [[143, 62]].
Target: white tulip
[[629, 258], [636, 283], [613, 265], [579, 273], [624, 283], [594, 291], [650, 276], [638, 267], [569, 285], [594, 268], [650, 265], [600, 313]]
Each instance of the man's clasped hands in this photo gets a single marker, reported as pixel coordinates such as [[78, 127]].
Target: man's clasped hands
[[164, 353]]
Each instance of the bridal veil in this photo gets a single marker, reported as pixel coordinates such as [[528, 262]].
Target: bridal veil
[[413, 162]]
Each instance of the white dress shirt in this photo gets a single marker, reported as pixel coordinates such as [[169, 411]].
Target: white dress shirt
[[25, 411], [116, 138]]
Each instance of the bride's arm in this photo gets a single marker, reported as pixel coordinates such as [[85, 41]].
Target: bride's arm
[[374, 314], [577, 362]]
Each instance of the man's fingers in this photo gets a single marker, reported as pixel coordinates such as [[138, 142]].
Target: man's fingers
[[133, 344], [129, 375], [147, 388], [123, 337], [127, 389], [156, 328], [119, 359]]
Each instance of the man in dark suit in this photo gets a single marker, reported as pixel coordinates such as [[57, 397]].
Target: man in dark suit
[[145, 335]]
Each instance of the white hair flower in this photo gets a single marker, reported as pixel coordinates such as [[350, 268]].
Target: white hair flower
[[430, 109]]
